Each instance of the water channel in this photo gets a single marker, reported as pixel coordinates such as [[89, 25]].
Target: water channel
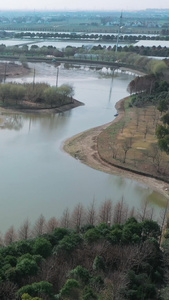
[[37, 176]]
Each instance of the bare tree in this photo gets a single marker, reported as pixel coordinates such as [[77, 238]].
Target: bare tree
[[145, 131], [40, 226], [151, 213], [78, 216], [155, 115], [120, 212], [145, 111], [122, 126], [163, 216], [158, 160], [10, 236], [91, 214], [1, 240], [156, 156], [51, 225], [143, 211], [8, 290], [24, 231], [114, 149], [126, 147], [105, 212], [132, 212], [65, 220], [137, 118]]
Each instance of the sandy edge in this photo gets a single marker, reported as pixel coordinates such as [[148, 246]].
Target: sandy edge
[[83, 146]]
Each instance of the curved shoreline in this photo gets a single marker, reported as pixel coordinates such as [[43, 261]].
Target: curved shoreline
[[83, 146], [37, 110]]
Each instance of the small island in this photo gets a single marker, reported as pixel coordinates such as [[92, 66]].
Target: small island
[[33, 97]]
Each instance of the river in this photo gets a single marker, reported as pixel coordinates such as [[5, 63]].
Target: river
[[37, 176]]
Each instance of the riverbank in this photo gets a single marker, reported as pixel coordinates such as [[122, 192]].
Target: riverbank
[[85, 148], [35, 109]]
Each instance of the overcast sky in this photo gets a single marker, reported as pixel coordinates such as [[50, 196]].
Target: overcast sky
[[83, 4]]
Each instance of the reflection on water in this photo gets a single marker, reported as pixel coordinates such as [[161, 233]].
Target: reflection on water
[[37, 177], [13, 122]]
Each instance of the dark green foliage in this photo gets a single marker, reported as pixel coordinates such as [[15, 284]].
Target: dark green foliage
[[70, 289], [161, 86], [88, 294], [23, 247], [69, 243], [131, 231], [86, 228], [9, 259], [38, 258], [165, 119], [27, 267], [81, 274], [27, 255], [88, 265], [37, 289], [162, 132], [157, 92], [97, 282], [99, 264], [9, 250], [164, 143], [151, 229], [60, 233], [115, 236], [92, 235], [163, 104], [42, 247], [140, 287], [57, 235]]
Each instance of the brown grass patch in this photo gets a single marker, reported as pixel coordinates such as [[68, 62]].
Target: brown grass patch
[[131, 143]]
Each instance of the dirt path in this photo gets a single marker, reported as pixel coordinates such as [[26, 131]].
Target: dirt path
[[84, 147]]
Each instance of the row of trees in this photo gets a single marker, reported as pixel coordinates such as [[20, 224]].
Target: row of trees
[[120, 261], [104, 51], [129, 59], [79, 216], [36, 93], [34, 50], [100, 37]]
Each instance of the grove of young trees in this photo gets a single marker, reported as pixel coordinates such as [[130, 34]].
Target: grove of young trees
[[152, 89], [42, 93]]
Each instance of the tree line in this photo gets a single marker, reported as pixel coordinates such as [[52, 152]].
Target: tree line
[[118, 256], [100, 37], [69, 51]]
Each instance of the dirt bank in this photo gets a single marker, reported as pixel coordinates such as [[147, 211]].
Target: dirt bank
[[34, 108]]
